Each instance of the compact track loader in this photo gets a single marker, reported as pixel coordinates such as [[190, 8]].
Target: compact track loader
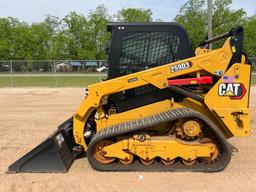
[[163, 106]]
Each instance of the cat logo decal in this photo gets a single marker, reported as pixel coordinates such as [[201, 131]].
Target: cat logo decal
[[232, 90]]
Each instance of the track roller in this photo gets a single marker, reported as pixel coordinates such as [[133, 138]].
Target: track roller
[[188, 162], [127, 161], [147, 161], [168, 161]]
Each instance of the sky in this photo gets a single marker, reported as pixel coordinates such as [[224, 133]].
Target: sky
[[36, 10]]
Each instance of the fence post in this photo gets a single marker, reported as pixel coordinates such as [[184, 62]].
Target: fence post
[[11, 73], [55, 71]]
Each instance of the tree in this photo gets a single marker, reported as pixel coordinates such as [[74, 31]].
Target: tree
[[250, 36], [52, 24], [7, 44], [193, 15], [98, 36], [224, 18], [81, 37], [134, 15], [75, 35], [85, 37]]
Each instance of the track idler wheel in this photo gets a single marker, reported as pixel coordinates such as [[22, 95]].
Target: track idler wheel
[[168, 161], [98, 152], [147, 161]]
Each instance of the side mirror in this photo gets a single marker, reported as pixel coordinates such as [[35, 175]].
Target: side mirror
[[101, 69]]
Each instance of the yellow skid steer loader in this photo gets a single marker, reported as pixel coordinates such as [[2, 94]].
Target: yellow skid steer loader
[[163, 106]]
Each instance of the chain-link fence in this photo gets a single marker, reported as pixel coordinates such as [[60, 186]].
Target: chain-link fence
[[58, 73], [50, 73]]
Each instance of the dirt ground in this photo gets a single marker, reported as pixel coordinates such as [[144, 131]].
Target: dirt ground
[[28, 115]]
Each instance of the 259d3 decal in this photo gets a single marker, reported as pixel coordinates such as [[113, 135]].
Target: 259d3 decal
[[181, 66], [232, 90]]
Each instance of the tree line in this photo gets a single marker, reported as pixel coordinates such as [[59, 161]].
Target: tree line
[[81, 37]]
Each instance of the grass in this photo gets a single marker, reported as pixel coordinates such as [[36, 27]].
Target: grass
[[62, 81], [5, 81]]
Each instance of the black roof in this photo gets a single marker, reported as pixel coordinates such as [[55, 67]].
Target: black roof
[[112, 25]]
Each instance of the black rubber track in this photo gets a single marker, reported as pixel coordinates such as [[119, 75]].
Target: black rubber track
[[215, 165]]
